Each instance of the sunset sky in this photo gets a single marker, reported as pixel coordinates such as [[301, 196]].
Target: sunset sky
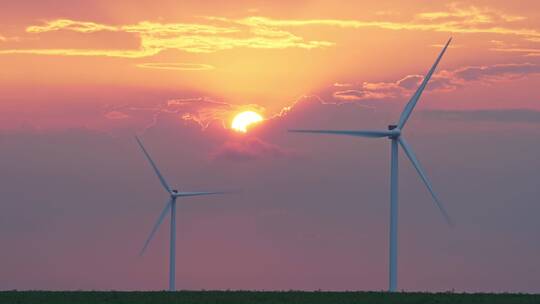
[[79, 79]]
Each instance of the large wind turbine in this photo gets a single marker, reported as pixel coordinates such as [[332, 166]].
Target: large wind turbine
[[394, 133], [170, 206]]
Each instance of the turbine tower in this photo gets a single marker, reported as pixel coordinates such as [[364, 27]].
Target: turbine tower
[[170, 206], [394, 134]]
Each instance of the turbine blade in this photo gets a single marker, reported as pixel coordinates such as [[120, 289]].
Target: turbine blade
[[157, 224], [370, 134], [185, 194], [161, 178], [407, 111], [414, 160]]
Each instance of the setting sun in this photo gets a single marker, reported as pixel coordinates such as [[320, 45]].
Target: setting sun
[[242, 120]]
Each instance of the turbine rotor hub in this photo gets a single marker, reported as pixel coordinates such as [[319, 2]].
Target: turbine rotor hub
[[396, 132]]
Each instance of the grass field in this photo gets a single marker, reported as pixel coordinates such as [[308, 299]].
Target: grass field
[[241, 297]]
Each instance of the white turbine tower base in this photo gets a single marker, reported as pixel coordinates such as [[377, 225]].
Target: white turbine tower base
[[170, 206], [396, 138]]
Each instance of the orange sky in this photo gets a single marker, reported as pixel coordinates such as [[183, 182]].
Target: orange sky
[[263, 53]]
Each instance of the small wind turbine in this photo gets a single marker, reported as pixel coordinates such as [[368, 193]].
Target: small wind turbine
[[396, 137], [171, 206]]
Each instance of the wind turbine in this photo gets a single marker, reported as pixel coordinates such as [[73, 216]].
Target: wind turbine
[[170, 206], [394, 133]]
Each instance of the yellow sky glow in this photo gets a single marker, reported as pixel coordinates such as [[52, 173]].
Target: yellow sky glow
[[269, 55]]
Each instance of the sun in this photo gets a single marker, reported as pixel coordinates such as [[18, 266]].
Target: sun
[[242, 120]]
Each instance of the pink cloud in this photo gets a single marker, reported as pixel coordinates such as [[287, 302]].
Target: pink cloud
[[445, 81], [200, 110], [410, 82], [496, 72], [115, 115]]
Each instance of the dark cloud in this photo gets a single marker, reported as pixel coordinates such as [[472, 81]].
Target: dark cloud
[[312, 111], [250, 148]]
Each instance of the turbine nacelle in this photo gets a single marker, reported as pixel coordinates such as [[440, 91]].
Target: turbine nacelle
[[174, 194]]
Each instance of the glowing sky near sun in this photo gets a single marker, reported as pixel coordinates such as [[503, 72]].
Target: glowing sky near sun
[[243, 120]]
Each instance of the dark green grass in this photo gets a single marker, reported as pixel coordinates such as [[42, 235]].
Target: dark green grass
[[254, 297]]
